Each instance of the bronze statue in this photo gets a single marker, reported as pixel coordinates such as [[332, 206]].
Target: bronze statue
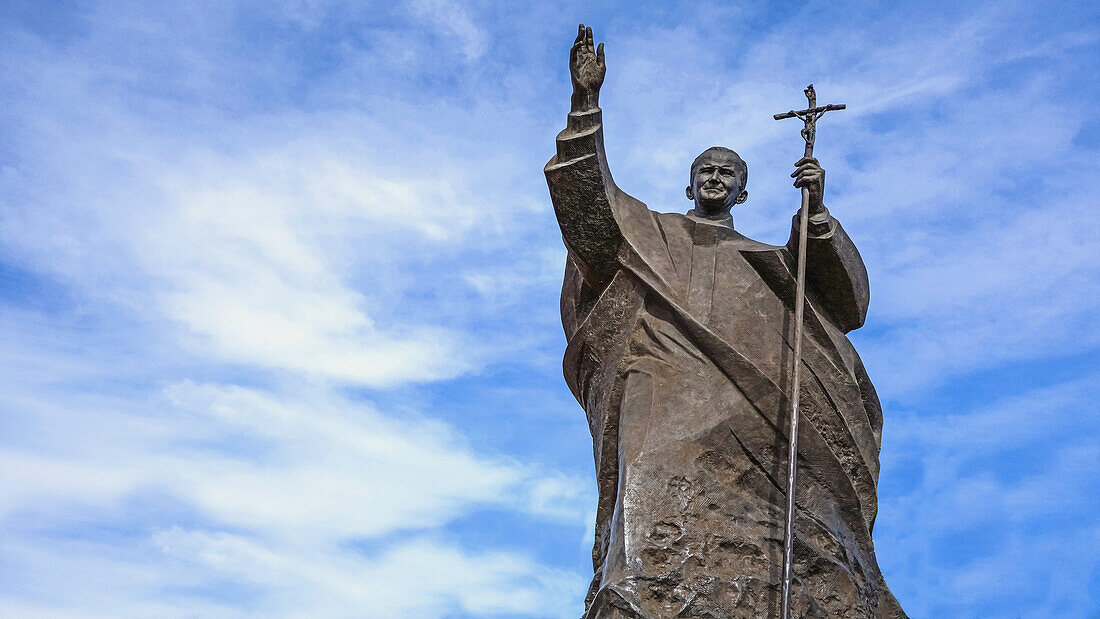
[[681, 339]]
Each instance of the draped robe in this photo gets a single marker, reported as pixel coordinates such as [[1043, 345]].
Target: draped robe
[[680, 345]]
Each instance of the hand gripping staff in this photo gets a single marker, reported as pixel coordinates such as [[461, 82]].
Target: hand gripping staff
[[809, 118]]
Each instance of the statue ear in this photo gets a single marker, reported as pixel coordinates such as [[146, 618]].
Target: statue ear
[[744, 195], [690, 193]]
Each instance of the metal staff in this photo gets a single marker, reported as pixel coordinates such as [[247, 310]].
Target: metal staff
[[809, 118]]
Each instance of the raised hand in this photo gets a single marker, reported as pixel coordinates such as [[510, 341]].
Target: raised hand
[[586, 69], [808, 173]]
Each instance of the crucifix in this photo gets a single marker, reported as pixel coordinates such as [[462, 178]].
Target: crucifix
[[809, 118]]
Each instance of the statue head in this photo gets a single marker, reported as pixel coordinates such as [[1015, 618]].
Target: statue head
[[718, 179]]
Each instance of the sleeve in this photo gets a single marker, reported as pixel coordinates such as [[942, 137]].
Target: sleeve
[[835, 272], [583, 192]]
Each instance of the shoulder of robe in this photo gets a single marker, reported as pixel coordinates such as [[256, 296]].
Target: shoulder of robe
[[667, 218], [746, 244]]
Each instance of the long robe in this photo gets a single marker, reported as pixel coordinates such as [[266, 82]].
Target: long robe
[[680, 346]]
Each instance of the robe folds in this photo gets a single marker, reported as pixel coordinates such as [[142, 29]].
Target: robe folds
[[680, 350]]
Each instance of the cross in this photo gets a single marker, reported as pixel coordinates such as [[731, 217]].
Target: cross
[[809, 118]]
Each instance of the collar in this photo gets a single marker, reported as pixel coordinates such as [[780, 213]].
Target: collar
[[725, 221]]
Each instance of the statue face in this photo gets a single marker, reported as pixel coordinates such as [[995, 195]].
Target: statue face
[[717, 183]]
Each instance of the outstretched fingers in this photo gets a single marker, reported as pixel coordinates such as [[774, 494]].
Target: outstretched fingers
[[578, 44], [599, 55]]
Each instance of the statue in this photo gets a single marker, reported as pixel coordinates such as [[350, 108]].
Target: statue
[[680, 350]]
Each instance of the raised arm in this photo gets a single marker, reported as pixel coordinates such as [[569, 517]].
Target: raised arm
[[581, 186], [834, 269]]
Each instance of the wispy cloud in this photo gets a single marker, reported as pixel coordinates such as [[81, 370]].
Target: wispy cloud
[[252, 262], [240, 275], [419, 578], [453, 19], [1000, 494], [277, 486]]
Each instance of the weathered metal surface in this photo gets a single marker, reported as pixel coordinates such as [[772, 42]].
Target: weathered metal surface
[[681, 335]]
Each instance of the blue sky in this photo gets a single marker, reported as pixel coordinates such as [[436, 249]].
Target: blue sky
[[279, 280]]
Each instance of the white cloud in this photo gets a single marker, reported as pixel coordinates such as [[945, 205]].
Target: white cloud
[[254, 258], [286, 249], [453, 19], [1001, 493], [282, 242], [251, 259], [341, 470], [420, 578], [286, 482], [327, 468]]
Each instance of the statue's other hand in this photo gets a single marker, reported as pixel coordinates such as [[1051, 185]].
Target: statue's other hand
[[586, 68], [808, 173]]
